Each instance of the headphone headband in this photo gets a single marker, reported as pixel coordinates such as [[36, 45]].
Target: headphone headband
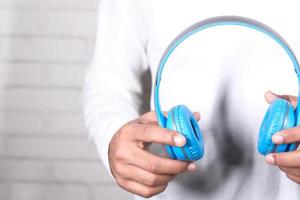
[[220, 21]]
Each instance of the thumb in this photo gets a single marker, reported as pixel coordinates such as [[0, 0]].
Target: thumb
[[271, 96]]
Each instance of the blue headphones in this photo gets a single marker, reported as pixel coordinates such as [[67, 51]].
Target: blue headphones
[[280, 114]]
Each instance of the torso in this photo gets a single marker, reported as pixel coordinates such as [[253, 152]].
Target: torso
[[223, 73]]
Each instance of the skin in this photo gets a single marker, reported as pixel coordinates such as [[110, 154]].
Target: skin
[[288, 162], [137, 170]]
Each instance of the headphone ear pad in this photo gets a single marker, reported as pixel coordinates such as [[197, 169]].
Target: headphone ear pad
[[279, 116], [182, 120]]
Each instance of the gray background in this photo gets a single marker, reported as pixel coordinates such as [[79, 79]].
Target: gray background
[[45, 48]]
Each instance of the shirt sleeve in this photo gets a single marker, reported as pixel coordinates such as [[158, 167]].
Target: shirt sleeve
[[113, 88]]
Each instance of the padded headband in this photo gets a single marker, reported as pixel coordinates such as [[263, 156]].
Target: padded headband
[[220, 21]]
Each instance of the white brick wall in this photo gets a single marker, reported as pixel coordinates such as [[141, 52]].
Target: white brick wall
[[45, 47]]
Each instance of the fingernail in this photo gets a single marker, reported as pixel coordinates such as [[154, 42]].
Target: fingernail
[[270, 159], [191, 167], [277, 139], [179, 140]]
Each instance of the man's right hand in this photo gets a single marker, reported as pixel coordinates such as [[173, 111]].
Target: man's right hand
[[137, 170]]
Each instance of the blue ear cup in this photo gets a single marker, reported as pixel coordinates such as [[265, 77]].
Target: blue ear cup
[[182, 120], [279, 116]]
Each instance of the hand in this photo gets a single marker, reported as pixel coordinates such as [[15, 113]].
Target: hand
[[137, 170], [288, 162]]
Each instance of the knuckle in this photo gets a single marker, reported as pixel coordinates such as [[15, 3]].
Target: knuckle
[[120, 182], [128, 128], [148, 192], [169, 137], [293, 178], [279, 161], [122, 136], [287, 135], [288, 175], [153, 180], [164, 188], [120, 156], [143, 133], [146, 130], [282, 168], [117, 168], [124, 128], [296, 172], [296, 181], [181, 167], [152, 167]]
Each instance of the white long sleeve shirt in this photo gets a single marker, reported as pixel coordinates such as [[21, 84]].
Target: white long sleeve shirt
[[222, 72]]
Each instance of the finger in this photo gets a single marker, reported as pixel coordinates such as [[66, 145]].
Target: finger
[[287, 136], [140, 189], [293, 178], [291, 170], [149, 116], [160, 165], [289, 98], [139, 175], [286, 159], [197, 115], [271, 96], [156, 134]]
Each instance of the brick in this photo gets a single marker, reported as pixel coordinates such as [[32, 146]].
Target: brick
[[91, 41], [111, 192], [3, 191], [21, 22], [48, 148], [66, 75], [30, 99], [71, 4], [19, 75], [69, 23], [1, 143], [31, 191], [63, 100], [42, 75], [5, 73], [58, 171], [65, 124], [48, 22], [89, 172], [21, 123], [44, 49], [53, 4], [44, 151], [20, 4], [20, 170]]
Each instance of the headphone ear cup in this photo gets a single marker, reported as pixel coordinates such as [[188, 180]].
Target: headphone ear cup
[[182, 120], [290, 124], [279, 116], [172, 126]]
